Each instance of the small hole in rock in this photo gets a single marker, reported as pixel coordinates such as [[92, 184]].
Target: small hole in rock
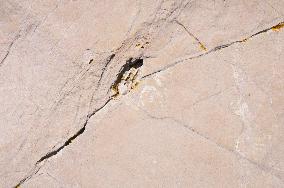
[[91, 60]]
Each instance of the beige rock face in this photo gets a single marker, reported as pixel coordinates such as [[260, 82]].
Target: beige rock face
[[143, 93]]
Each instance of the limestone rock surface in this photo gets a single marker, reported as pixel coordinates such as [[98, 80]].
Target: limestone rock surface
[[141, 93]]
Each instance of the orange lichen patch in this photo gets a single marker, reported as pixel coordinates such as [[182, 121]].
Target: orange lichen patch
[[202, 46], [278, 27]]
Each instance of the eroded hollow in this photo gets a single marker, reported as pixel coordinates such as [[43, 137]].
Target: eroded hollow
[[137, 63], [127, 77]]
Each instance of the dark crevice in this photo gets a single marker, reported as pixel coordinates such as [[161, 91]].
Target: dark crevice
[[78, 133], [27, 178], [109, 59], [66, 143]]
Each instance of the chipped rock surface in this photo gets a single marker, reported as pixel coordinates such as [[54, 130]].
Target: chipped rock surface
[[166, 93]]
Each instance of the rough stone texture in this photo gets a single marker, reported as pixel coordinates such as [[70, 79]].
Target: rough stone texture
[[207, 109]]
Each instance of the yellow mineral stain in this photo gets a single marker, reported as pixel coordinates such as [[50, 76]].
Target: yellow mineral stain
[[115, 90], [244, 40], [278, 27], [202, 47], [135, 85]]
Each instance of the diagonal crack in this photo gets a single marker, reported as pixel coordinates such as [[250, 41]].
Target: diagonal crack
[[54, 152], [42, 160], [194, 131], [217, 48], [9, 48], [201, 45], [109, 59]]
